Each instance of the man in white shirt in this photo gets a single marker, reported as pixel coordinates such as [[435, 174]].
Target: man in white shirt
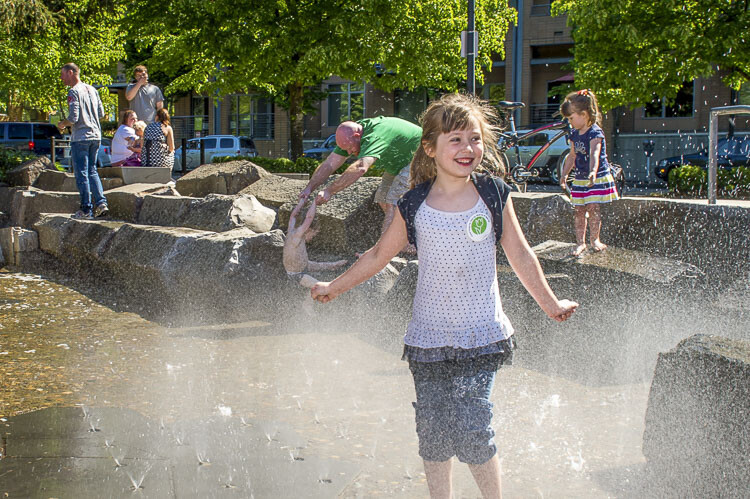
[[145, 98]]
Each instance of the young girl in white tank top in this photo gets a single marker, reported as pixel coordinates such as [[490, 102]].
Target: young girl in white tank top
[[458, 335]]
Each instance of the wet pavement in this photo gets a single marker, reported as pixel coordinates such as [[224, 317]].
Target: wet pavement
[[96, 402]]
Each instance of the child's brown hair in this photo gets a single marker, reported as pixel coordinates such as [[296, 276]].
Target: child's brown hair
[[580, 101], [455, 112]]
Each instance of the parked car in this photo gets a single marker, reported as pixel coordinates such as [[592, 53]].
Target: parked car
[[322, 151], [730, 152], [105, 150], [29, 136], [548, 162], [215, 146]]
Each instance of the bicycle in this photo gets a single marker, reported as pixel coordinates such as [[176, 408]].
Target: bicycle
[[519, 174]]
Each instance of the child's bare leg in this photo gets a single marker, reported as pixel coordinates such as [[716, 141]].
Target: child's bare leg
[[580, 228], [595, 226], [439, 478], [487, 476]]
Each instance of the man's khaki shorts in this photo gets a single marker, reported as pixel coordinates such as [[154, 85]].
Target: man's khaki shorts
[[392, 187]]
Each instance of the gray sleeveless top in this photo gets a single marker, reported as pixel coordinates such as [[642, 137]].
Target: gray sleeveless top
[[457, 302]]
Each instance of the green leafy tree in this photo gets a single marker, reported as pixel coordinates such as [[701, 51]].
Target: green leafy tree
[[286, 48], [629, 50], [39, 36]]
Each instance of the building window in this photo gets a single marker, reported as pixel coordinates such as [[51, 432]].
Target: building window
[[199, 106], [346, 101], [252, 116], [681, 107], [743, 94], [541, 7], [494, 92]]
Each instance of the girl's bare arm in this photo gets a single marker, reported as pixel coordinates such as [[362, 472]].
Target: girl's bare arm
[[526, 266], [595, 149], [370, 263]]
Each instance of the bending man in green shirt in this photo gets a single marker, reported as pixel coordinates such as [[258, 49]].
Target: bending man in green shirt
[[389, 142]]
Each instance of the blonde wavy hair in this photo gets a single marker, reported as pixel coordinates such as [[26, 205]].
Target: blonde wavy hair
[[456, 112]]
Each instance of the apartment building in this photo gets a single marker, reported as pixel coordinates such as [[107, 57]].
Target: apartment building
[[537, 58]]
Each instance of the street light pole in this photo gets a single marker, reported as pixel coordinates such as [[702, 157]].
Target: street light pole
[[471, 50]]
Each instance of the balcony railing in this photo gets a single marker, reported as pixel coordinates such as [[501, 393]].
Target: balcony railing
[[190, 126], [541, 114]]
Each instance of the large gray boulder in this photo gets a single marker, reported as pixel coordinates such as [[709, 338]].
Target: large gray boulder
[[177, 274], [215, 212], [275, 191], [350, 222], [25, 174], [125, 202], [697, 436], [27, 204], [220, 178], [53, 180]]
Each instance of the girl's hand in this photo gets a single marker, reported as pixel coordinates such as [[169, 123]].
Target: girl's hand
[[563, 184], [563, 311], [592, 176], [322, 292]]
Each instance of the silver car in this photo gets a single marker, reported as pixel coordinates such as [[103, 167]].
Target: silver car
[[548, 162], [215, 146]]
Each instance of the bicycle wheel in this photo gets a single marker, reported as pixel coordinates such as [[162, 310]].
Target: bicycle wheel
[[554, 173], [503, 169]]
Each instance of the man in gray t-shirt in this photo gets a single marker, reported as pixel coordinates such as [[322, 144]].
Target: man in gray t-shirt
[[145, 99], [84, 111]]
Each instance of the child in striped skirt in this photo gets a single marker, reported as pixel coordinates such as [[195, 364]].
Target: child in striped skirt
[[594, 183]]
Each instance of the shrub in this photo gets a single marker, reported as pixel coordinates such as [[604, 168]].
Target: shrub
[[693, 180], [274, 165], [109, 128], [11, 158], [284, 165]]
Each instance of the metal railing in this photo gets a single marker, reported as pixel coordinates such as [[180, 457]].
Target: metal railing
[[541, 114], [62, 144], [190, 126], [713, 134]]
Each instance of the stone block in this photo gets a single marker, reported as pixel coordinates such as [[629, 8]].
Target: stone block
[[556, 256], [697, 437], [215, 212], [27, 204], [53, 180], [125, 202], [16, 240], [350, 222], [220, 178], [137, 174], [25, 174], [275, 191]]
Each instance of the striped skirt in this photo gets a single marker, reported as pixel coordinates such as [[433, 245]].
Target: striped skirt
[[603, 191]]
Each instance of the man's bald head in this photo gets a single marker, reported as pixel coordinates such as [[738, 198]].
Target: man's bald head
[[349, 137]]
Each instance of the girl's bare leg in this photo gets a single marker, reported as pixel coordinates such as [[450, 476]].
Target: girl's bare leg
[[487, 476], [439, 478], [595, 226], [580, 228]]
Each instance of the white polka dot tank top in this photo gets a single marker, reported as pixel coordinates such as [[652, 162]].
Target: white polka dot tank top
[[457, 302]]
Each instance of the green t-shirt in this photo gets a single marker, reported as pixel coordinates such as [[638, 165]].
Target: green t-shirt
[[391, 141]]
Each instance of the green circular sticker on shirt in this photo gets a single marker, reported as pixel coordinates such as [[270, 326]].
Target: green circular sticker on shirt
[[478, 227]]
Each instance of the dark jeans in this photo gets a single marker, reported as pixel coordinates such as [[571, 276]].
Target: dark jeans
[[453, 410], [83, 154]]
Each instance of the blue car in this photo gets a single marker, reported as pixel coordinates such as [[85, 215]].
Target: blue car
[[322, 151], [731, 152]]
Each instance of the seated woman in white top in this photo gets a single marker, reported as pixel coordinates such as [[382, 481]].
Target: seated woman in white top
[[124, 140]]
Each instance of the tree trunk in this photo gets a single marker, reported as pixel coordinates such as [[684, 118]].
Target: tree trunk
[[296, 118], [15, 108]]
